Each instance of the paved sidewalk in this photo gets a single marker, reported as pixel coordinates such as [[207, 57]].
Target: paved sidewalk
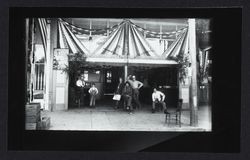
[[109, 119]]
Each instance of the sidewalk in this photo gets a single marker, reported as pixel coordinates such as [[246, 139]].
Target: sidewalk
[[109, 119]]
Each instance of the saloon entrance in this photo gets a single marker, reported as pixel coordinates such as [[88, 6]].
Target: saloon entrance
[[106, 79]]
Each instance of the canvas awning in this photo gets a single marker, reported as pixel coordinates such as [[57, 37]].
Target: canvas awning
[[179, 46], [126, 45], [67, 39], [131, 62]]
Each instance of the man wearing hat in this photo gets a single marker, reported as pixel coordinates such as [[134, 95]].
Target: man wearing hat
[[80, 83]]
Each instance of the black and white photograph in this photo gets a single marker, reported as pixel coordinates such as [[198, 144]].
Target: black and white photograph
[[118, 74]]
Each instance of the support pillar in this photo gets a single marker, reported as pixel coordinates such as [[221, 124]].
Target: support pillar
[[47, 67], [193, 86], [32, 59], [26, 58], [53, 45], [125, 72], [108, 28]]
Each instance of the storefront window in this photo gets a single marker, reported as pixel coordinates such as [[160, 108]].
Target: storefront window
[[86, 75], [108, 76]]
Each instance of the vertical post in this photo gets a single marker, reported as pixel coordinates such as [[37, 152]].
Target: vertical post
[[145, 27], [108, 28], [53, 45], [26, 57], [126, 51], [193, 87], [32, 59], [48, 68], [90, 27], [160, 31], [125, 72]]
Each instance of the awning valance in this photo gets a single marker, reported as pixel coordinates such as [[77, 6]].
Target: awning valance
[[131, 61]]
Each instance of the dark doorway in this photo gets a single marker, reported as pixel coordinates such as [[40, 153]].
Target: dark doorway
[[112, 79], [164, 79]]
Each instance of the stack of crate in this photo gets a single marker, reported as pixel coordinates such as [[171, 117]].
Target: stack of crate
[[44, 124], [32, 115]]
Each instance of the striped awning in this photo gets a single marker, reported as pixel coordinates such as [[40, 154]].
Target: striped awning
[[179, 46], [66, 39], [44, 32], [125, 42]]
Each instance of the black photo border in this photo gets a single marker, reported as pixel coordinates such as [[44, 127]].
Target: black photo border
[[226, 88]]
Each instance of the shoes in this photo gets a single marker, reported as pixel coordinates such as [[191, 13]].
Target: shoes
[[130, 111], [166, 112], [153, 110]]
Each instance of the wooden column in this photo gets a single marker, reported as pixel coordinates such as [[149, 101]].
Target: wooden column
[[47, 69], [26, 58], [126, 51], [107, 27], [160, 32], [53, 45], [176, 34], [125, 72], [32, 59], [90, 27], [193, 86], [145, 27]]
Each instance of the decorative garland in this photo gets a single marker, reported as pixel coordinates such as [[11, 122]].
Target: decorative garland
[[81, 31], [158, 33]]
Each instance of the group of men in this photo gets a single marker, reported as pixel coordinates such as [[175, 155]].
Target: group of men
[[130, 92]]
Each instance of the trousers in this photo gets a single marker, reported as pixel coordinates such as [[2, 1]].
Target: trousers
[[136, 94], [160, 102], [127, 101], [92, 100]]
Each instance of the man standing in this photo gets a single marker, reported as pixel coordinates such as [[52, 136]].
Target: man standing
[[119, 90], [136, 85], [127, 94], [80, 83], [93, 91], [158, 97]]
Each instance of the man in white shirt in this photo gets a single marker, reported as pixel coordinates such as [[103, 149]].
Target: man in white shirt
[[93, 91], [158, 97], [80, 83]]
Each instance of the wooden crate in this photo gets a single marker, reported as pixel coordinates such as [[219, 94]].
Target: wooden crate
[[32, 112], [30, 126], [32, 108], [32, 119], [44, 124]]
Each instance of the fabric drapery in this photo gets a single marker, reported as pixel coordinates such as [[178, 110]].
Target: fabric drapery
[[44, 32], [179, 46], [66, 39]]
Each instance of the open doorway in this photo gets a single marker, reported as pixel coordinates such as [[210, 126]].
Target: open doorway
[[164, 79], [106, 80]]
